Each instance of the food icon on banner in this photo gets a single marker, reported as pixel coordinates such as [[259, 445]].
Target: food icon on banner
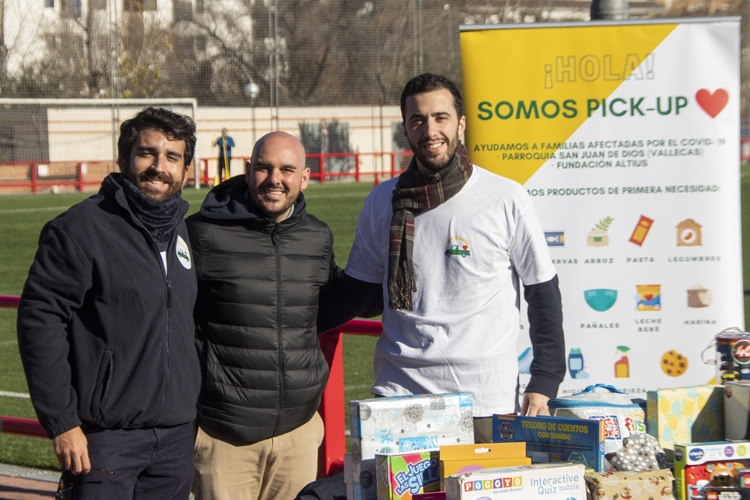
[[648, 298], [688, 233], [524, 361], [698, 296], [673, 363], [575, 364], [622, 365], [555, 238], [641, 230], [600, 299], [714, 103], [598, 236]]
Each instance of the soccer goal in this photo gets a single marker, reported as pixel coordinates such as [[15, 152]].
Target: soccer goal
[[68, 145]]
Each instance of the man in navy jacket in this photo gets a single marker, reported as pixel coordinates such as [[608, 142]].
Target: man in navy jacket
[[105, 326]]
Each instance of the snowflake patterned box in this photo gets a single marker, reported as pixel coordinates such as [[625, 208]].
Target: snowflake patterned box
[[651, 485], [404, 424]]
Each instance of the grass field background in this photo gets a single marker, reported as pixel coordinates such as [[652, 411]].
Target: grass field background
[[338, 204]]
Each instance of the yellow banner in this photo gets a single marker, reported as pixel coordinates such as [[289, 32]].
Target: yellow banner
[[526, 84]]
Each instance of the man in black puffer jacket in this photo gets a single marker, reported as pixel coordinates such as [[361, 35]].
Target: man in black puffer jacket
[[105, 326], [261, 263]]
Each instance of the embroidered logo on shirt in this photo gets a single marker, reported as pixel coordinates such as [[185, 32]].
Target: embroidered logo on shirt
[[183, 253], [457, 246]]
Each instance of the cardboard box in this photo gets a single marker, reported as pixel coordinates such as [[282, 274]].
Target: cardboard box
[[457, 459], [404, 424], [649, 485], [554, 439], [690, 473], [685, 415], [561, 481], [435, 495], [402, 476]]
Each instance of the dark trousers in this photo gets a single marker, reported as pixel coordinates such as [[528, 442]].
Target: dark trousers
[[149, 464]]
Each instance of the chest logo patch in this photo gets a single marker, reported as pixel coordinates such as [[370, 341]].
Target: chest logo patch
[[457, 246], [183, 253]]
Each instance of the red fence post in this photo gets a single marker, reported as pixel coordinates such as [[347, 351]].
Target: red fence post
[[80, 177], [331, 452], [322, 166], [393, 164], [356, 167], [33, 177]]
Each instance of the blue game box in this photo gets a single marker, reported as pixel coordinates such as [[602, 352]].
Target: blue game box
[[554, 439]]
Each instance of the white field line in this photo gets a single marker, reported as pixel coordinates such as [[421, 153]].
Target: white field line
[[44, 209], [8, 342], [14, 395], [54, 209]]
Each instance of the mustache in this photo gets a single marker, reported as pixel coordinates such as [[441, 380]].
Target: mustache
[[161, 177]]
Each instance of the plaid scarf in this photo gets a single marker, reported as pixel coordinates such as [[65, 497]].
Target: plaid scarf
[[416, 192]]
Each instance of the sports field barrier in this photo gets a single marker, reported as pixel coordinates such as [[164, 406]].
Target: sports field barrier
[[332, 410], [24, 177]]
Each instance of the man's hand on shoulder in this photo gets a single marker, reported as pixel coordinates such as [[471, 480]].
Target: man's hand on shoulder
[[72, 451], [534, 404]]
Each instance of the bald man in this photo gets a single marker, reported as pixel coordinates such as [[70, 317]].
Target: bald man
[[261, 263]]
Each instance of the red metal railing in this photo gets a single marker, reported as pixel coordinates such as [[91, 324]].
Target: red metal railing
[[321, 175], [332, 410], [64, 173]]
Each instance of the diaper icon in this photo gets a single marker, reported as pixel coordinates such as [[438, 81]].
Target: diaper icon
[[600, 299]]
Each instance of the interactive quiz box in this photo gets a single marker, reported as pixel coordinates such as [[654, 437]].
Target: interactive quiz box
[[563, 481], [554, 439]]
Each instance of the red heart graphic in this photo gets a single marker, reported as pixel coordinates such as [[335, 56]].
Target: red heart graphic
[[648, 296], [712, 103], [466, 246]]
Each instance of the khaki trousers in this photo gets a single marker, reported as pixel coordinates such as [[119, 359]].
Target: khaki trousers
[[273, 469]]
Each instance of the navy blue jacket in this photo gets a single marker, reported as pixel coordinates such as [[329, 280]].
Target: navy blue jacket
[[105, 334]]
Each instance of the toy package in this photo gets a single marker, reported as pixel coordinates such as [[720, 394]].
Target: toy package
[[404, 424], [561, 481], [554, 439], [458, 459], [701, 466], [403, 476]]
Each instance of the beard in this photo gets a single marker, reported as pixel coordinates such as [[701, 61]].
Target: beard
[[272, 208], [435, 163], [141, 181]]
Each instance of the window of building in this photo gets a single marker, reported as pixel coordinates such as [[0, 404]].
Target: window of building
[[139, 5], [70, 8], [49, 3]]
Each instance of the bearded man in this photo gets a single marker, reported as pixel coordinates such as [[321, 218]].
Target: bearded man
[[444, 244], [262, 262], [105, 324]]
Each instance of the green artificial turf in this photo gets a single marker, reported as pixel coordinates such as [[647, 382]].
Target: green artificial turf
[[21, 220]]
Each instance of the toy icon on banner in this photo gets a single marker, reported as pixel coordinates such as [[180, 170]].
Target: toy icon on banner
[[714, 103], [641, 230], [600, 299], [698, 296], [648, 298], [622, 365], [673, 363], [598, 236], [575, 364], [524, 361], [555, 238], [688, 234]]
